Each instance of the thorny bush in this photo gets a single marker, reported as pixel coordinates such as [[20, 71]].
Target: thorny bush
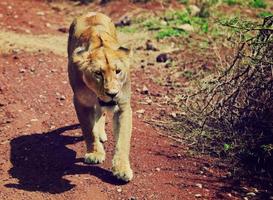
[[231, 114]]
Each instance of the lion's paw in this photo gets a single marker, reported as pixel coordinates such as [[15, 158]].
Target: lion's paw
[[94, 158], [122, 170]]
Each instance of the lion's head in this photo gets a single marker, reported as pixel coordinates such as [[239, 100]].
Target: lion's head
[[104, 70]]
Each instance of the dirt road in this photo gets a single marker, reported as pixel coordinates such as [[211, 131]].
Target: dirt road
[[41, 147]]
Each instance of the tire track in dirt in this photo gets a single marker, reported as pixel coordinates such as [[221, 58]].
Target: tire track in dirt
[[32, 43], [57, 44]]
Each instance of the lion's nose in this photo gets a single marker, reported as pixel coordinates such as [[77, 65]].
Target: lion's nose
[[111, 94]]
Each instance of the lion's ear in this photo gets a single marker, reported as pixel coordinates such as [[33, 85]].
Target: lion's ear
[[79, 56]]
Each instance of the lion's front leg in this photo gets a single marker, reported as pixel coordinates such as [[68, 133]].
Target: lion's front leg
[[91, 124], [122, 129]]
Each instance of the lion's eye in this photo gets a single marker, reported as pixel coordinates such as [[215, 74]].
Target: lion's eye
[[118, 71], [98, 73]]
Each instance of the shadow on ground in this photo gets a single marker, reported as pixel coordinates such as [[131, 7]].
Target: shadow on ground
[[40, 161]]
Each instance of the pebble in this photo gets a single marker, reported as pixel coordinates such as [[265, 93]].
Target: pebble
[[145, 90], [32, 69], [141, 111], [16, 50], [194, 10], [150, 46], [252, 194], [63, 30], [163, 57], [132, 198], [157, 169], [198, 195], [22, 70], [126, 21], [173, 114], [199, 185], [119, 189], [40, 13], [62, 97], [149, 101], [186, 27], [48, 25]]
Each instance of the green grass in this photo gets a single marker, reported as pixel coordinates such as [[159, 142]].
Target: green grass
[[169, 24], [183, 1], [265, 14], [128, 29], [169, 32], [233, 2], [258, 4]]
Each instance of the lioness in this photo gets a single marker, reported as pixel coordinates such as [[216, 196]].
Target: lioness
[[98, 69]]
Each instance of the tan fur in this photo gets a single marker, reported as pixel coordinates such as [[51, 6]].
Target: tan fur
[[98, 65]]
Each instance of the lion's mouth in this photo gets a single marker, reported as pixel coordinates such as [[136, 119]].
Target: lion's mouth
[[107, 104]]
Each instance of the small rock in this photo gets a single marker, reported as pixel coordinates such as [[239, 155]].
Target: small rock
[[56, 8], [149, 101], [229, 194], [194, 10], [132, 198], [252, 194], [199, 185], [163, 57], [271, 197], [198, 195], [163, 22], [245, 198], [157, 169], [186, 27], [126, 21], [168, 65], [16, 50], [48, 25], [119, 189], [150, 46], [34, 120], [27, 31], [22, 70], [32, 69], [141, 111], [145, 90], [16, 16], [173, 114], [62, 97], [255, 190], [63, 30], [40, 13]]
